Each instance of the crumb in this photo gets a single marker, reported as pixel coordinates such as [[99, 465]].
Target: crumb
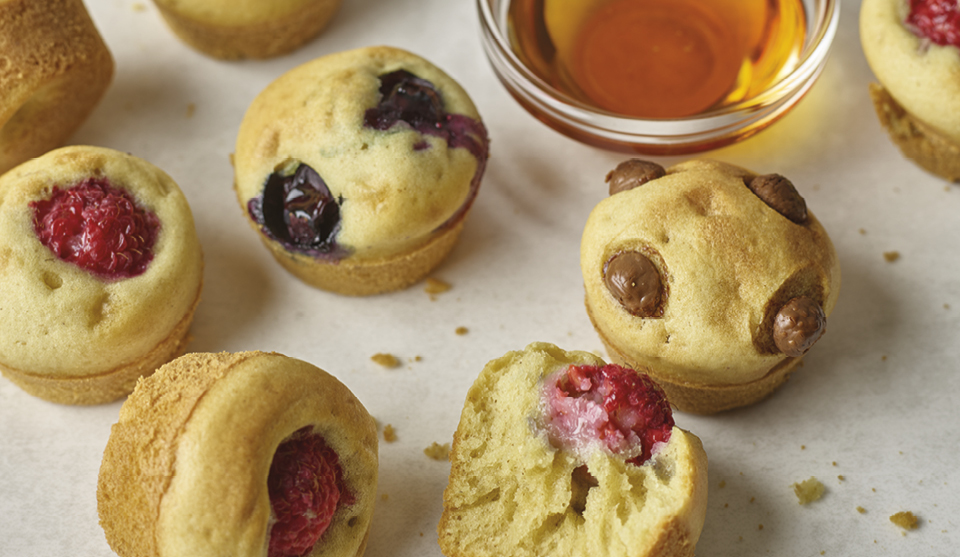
[[386, 360], [808, 491], [462, 331], [873, 489], [803, 447], [834, 463], [905, 520], [741, 538], [436, 286], [752, 499], [946, 306], [421, 534], [760, 527], [863, 231], [384, 497], [823, 552], [436, 451], [722, 484], [389, 434], [883, 358], [725, 505], [418, 358], [191, 109], [139, 7], [861, 510], [891, 256], [841, 478]]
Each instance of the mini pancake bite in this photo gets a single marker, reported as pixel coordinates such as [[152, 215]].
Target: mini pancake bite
[[247, 455], [235, 29], [558, 453], [357, 169], [54, 70], [913, 48], [713, 280], [101, 271]]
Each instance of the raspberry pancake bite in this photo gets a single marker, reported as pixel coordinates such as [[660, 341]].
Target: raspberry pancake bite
[[357, 169], [913, 48], [234, 29], [247, 455], [558, 453], [713, 280], [54, 70], [101, 271]]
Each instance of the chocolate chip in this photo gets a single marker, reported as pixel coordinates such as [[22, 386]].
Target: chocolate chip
[[798, 325], [633, 173], [780, 194], [634, 282]]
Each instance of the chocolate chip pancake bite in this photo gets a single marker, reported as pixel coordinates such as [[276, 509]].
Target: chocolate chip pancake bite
[[913, 48], [54, 69], [713, 280], [234, 29], [101, 271], [247, 455], [558, 453], [357, 169]]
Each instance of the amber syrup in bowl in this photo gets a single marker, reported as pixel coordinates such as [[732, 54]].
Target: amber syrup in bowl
[[658, 76]]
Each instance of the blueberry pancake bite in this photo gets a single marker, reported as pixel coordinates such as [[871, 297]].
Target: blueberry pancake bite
[[713, 280], [558, 453], [357, 169], [54, 69], [101, 271], [913, 48], [247, 455], [234, 29]]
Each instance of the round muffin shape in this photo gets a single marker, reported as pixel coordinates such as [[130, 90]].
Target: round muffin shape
[[188, 466], [235, 29], [357, 169], [55, 70], [747, 276], [75, 336], [918, 97], [514, 492]]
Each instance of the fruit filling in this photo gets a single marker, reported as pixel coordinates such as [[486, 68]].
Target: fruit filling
[[937, 20], [306, 486], [97, 227], [299, 211], [613, 407], [417, 103]]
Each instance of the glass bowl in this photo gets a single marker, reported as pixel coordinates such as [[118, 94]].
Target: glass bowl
[[706, 130]]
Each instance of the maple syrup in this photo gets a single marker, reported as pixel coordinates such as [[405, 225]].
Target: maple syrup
[[658, 58]]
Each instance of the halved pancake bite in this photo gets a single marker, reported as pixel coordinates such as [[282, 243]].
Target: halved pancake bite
[[708, 277]]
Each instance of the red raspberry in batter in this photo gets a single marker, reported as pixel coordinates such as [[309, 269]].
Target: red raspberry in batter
[[937, 20], [624, 410], [97, 227], [305, 485]]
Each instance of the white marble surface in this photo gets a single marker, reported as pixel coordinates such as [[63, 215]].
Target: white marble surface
[[876, 401]]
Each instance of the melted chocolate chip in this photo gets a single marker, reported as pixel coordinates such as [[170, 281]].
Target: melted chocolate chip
[[798, 325], [633, 173], [634, 282], [780, 194]]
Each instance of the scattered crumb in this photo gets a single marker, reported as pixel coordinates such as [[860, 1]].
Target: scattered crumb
[[421, 534], [752, 499], [823, 552], [946, 306], [891, 256], [386, 360], [436, 286], [436, 451], [861, 510], [384, 497], [389, 434], [462, 331], [139, 7], [803, 447], [834, 463], [883, 358], [873, 489], [905, 520], [863, 231], [191, 109], [760, 527], [741, 538], [722, 484], [808, 491], [725, 505], [418, 358], [841, 478]]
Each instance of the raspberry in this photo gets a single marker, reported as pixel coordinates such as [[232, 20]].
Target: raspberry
[[97, 227], [937, 20], [305, 485], [623, 409]]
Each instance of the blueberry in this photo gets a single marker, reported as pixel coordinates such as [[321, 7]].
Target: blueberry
[[408, 98], [299, 211]]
